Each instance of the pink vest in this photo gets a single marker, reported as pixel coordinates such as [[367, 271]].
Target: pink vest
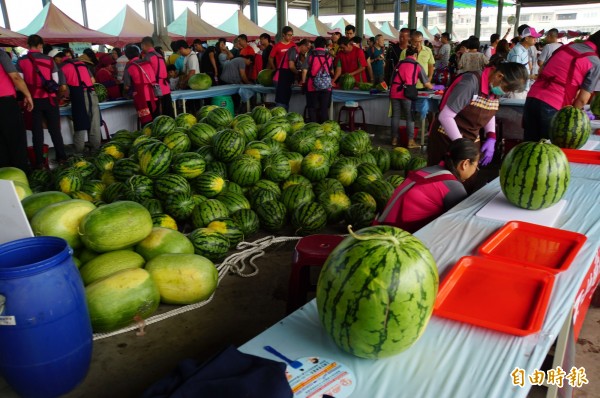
[[7, 88]]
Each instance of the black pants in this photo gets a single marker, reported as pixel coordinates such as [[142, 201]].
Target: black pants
[[13, 139], [166, 104], [43, 108], [318, 103], [537, 116], [283, 89]]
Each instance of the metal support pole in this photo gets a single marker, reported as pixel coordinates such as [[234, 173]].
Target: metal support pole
[[314, 8], [360, 18], [478, 5], [281, 7], [198, 6], [426, 16], [449, 14], [397, 5], [168, 12], [499, 19], [517, 17], [4, 14], [84, 12], [155, 16], [44, 2], [254, 11], [412, 14], [147, 9]]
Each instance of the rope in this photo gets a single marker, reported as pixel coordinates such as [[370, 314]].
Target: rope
[[236, 264]]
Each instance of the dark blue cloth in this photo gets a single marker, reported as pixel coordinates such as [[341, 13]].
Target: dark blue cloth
[[537, 117], [230, 374]]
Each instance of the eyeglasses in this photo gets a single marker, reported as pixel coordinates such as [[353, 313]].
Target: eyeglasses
[[476, 163]]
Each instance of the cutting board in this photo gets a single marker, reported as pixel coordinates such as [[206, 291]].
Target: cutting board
[[500, 209], [12, 216]]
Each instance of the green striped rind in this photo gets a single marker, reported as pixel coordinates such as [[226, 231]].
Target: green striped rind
[[315, 128], [267, 185], [179, 205], [208, 184], [228, 144], [415, 164], [335, 204], [302, 142], [114, 149], [395, 179], [359, 215], [367, 158], [229, 228], [276, 167], [295, 160], [294, 117], [344, 170], [198, 198], [272, 215], [245, 170], [381, 191], [154, 159], [69, 181], [139, 145], [278, 111], [247, 129], [206, 153], [260, 114], [114, 192], [94, 188], [139, 187], [399, 157], [219, 118], [125, 168], [275, 146], [535, 175], [327, 145], [370, 171], [382, 157], [177, 141], [104, 162], [347, 82], [595, 105], [204, 111], [258, 150], [332, 129], [309, 218], [233, 201], [259, 196], [242, 118], [153, 205], [208, 211], [315, 166], [164, 221], [84, 167], [162, 125], [327, 185], [295, 179], [188, 165], [201, 134], [247, 220], [274, 130], [209, 243], [355, 143], [232, 187], [364, 198], [296, 196], [170, 184], [375, 297], [570, 128], [185, 120]]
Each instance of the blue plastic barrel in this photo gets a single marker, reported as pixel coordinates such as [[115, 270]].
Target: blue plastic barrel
[[45, 329], [224, 101]]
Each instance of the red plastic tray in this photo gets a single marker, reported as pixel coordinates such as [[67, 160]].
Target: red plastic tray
[[495, 295], [581, 156], [533, 245]]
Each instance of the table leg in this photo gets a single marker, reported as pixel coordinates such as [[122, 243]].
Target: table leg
[[183, 102], [559, 352], [174, 107], [248, 106], [423, 125], [331, 111]]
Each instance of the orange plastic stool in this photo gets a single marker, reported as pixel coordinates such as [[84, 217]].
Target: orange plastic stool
[[310, 251], [351, 124]]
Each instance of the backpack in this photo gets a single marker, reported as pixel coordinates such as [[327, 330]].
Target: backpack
[[322, 80]]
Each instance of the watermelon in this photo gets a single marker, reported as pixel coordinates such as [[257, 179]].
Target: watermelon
[[242, 118], [229, 228], [265, 77], [272, 215], [121, 299], [217, 167], [81, 195], [201, 134], [276, 167], [197, 198], [376, 292], [247, 129], [94, 188], [261, 114], [153, 205], [328, 145], [267, 185], [297, 195], [370, 171], [228, 144], [147, 130], [381, 191], [183, 278], [355, 143], [163, 241], [245, 170], [534, 175], [399, 157], [332, 129], [327, 185], [257, 149], [113, 149], [278, 111], [177, 141], [164, 220], [295, 179], [62, 220], [315, 128], [595, 105], [335, 204], [43, 177], [85, 168], [315, 166], [365, 86], [23, 190], [382, 157], [125, 168], [162, 125], [275, 146], [415, 164], [38, 201], [114, 192], [395, 179], [367, 158], [139, 187], [302, 141], [155, 159], [101, 92], [296, 126], [107, 264], [115, 226], [188, 165], [295, 160], [233, 201], [360, 215], [347, 82], [204, 111], [208, 184], [206, 153], [208, 211], [219, 118], [200, 81], [309, 218], [232, 187], [247, 220], [274, 130], [171, 184], [570, 128], [294, 117], [261, 196], [344, 170], [179, 205], [209, 243], [66, 181]]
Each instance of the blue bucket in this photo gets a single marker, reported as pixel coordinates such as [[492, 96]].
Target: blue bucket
[[45, 329]]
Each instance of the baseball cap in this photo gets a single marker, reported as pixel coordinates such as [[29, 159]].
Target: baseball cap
[[530, 32], [336, 30], [53, 52]]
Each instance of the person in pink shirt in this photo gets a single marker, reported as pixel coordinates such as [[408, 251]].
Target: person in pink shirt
[[160, 73], [427, 193], [106, 75], [317, 66], [569, 77], [138, 81]]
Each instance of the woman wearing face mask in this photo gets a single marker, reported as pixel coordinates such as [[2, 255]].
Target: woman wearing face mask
[[470, 104]]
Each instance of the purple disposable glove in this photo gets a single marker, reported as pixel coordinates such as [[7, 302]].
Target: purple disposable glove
[[590, 115], [487, 151], [437, 87]]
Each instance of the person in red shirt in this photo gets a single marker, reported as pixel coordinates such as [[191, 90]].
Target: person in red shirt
[[279, 61], [38, 70], [350, 60], [159, 66], [138, 81], [13, 140], [106, 75], [84, 104]]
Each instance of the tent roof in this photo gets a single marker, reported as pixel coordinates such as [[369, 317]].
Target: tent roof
[[371, 31], [389, 29], [190, 26], [316, 27], [128, 27], [298, 32], [341, 24], [238, 23], [13, 39], [56, 27]]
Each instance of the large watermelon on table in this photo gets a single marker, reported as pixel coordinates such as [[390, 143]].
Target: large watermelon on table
[[570, 128], [309, 218], [200, 81], [535, 175], [376, 292], [201, 134], [276, 167], [272, 215], [155, 159], [219, 118], [347, 82], [228, 144], [209, 243], [265, 77], [245, 170], [315, 166], [162, 125], [101, 92], [188, 165]]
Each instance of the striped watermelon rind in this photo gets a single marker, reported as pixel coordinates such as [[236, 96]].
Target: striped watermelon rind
[[570, 128]]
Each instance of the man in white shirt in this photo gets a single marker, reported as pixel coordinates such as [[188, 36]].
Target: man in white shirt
[[120, 66], [190, 63], [552, 45]]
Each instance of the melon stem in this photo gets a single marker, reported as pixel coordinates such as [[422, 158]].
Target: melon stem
[[389, 238]]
